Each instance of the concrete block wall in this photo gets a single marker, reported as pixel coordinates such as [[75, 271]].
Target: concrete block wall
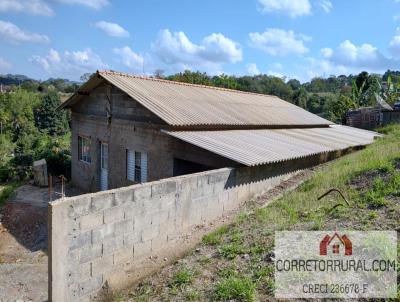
[[108, 237]]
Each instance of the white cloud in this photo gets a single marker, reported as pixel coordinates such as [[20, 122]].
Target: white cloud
[[252, 69], [95, 4], [293, 8], [129, 58], [363, 56], [34, 7], [4, 65], [177, 51], [70, 63], [13, 34], [348, 58], [112, 29], [394, 46], [326, 5], [279, 42], [275, 74], [327, 52], [323, 68]]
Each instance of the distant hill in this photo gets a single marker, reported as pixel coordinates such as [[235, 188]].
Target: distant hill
[[14, 79], [61, 85]]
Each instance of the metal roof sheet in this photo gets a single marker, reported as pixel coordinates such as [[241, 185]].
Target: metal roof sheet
[[256, 147], [181, 104]]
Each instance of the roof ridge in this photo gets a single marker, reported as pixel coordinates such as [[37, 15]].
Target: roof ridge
[[124, 74]]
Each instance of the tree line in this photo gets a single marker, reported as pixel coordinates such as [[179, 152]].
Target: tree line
[[32, 128]]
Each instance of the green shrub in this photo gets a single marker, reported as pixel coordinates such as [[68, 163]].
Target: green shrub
[[237, 288], [215, 237], [182, 277], [6, 192], [230, 251]]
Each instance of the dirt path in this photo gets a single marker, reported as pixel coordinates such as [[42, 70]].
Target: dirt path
[[23, 245]]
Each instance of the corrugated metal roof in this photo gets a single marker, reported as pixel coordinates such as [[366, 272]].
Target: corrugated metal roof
[[181, 104], [256, 147]]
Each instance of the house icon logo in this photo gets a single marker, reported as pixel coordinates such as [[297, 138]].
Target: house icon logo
[[335, 245]]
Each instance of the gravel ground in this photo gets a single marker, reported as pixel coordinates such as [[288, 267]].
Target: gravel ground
[[23, 245]]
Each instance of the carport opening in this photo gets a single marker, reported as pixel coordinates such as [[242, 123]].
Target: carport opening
[[182, 167]]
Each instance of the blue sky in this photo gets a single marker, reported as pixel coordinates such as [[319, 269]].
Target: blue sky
[[292, 38]]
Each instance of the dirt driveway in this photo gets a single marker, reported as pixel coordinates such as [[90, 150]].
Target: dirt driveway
[[23, 245]]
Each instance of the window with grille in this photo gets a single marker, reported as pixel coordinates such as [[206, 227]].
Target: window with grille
[[84, 149], [136, 166]]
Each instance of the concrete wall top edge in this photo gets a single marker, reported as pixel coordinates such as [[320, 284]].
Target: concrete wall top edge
[[136, 186]]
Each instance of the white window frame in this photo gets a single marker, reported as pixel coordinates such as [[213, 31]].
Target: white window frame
[[139, 161], [84, 149]]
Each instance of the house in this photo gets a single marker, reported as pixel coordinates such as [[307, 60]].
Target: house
[[340, 245], [128, 129]]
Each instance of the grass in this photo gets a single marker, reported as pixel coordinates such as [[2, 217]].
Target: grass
[[6, 190], [235, 261], [239, 288], [182, 277], [215, 237]]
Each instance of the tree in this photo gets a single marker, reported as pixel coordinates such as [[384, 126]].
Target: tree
[[340, 107], [48, 118], [300, 98], [362, 81], [86, 76], [294, 84], [159, 73]]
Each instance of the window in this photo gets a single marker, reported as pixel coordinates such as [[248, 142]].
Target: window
[[84, 149], [136, 166]]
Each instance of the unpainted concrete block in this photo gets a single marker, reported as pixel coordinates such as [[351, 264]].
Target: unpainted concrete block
[[90, 252], [202, 190], [142, 193], [232, 201], [142, 221], [158, 243], [159, 217], [150, 233], [112, 244], [243, 193], [132, 238], [168, 200], [121, 257], [103, 232], [123, 196], [80, 240], [103, 265], [212, 210], [142, 250], [219, 177], [79, 206], [123, 227], [90, 285], [114, 214], [129, 211], [91, 221], [74, 226], [79, 272], [101, 201], [163, 187]]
